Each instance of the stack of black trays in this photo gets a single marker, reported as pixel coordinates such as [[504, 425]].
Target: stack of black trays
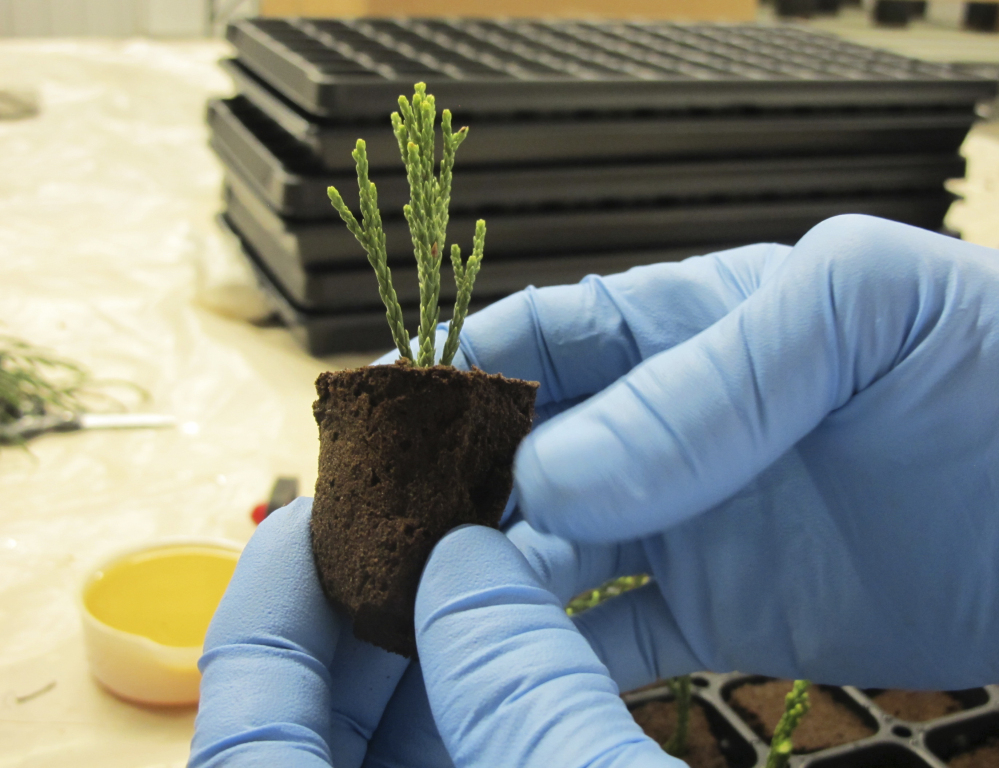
[[593, 147]]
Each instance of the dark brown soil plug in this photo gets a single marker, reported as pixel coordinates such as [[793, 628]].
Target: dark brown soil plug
[[405, 455]]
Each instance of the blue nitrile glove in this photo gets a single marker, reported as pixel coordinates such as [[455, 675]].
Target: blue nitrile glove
[[801, 445], [787, 577], [285, 683]]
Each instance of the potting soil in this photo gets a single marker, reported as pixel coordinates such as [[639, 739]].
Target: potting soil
[[985, 756], [917, 706], [827, 724], [658, 720]]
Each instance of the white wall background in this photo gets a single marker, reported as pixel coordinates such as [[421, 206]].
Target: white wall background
[[118, 18]]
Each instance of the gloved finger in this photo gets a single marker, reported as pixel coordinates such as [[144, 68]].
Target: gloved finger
[[280, 667], [577, 339], [407, 736], [567, 568], [636, 636], [693, 424], [363, 679], [509, 679]]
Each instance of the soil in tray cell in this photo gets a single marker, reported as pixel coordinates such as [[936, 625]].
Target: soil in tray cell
[[658, 720], [917, 706], [985, 756], [828, 723]]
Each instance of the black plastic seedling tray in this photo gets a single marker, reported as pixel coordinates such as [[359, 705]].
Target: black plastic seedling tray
[[529, 139], [352, 287], [311, 257], [363, 329], [893, 743], [286, 176], [356, 68]]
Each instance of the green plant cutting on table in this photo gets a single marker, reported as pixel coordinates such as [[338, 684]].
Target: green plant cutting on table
[[34, 382], [427, 216], [40, 391]]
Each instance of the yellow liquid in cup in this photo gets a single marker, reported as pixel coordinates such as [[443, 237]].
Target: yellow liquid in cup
[[168, 595]]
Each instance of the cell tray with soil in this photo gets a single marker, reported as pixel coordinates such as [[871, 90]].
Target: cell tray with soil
[[846, 727], [833, 719]]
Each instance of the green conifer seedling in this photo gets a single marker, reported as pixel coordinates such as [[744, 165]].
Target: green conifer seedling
[[427, 216], [795, 707]]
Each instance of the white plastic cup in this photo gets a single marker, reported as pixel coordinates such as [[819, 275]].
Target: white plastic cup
[[135, 667]]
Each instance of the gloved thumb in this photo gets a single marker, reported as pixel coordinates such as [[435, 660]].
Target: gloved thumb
[[509, 678]]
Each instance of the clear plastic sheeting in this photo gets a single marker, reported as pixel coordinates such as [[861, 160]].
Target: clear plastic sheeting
[[976, 214], [109, 255]]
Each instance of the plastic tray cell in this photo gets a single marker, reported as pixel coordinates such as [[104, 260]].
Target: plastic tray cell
[[528, 139], [356, 68], [288, 179], [894, 743], [963, 735], [300, 252], [352, 285]]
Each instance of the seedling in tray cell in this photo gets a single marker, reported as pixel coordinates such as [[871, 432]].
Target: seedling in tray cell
[[795, 708]]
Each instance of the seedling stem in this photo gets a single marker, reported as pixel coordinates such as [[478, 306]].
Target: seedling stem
[[677, 743], [795, 707]]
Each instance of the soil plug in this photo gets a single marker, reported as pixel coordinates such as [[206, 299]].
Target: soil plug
[[795, 708], [411, 450]]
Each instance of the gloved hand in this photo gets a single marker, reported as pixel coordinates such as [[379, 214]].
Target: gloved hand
[[810, 480], [284, 680], [801, 445], [285, 683]]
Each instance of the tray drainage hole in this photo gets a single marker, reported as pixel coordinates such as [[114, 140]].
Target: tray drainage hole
[[700, 682], [902, 732]]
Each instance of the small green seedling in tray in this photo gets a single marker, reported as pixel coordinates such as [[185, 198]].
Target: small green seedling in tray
[[795, 708]]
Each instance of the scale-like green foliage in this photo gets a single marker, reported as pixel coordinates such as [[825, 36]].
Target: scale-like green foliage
[[795, 707], [612, 588], [34, 382], [38, 383], [427, 216]]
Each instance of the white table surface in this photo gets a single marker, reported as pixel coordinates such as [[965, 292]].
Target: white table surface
[[109, 255]]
